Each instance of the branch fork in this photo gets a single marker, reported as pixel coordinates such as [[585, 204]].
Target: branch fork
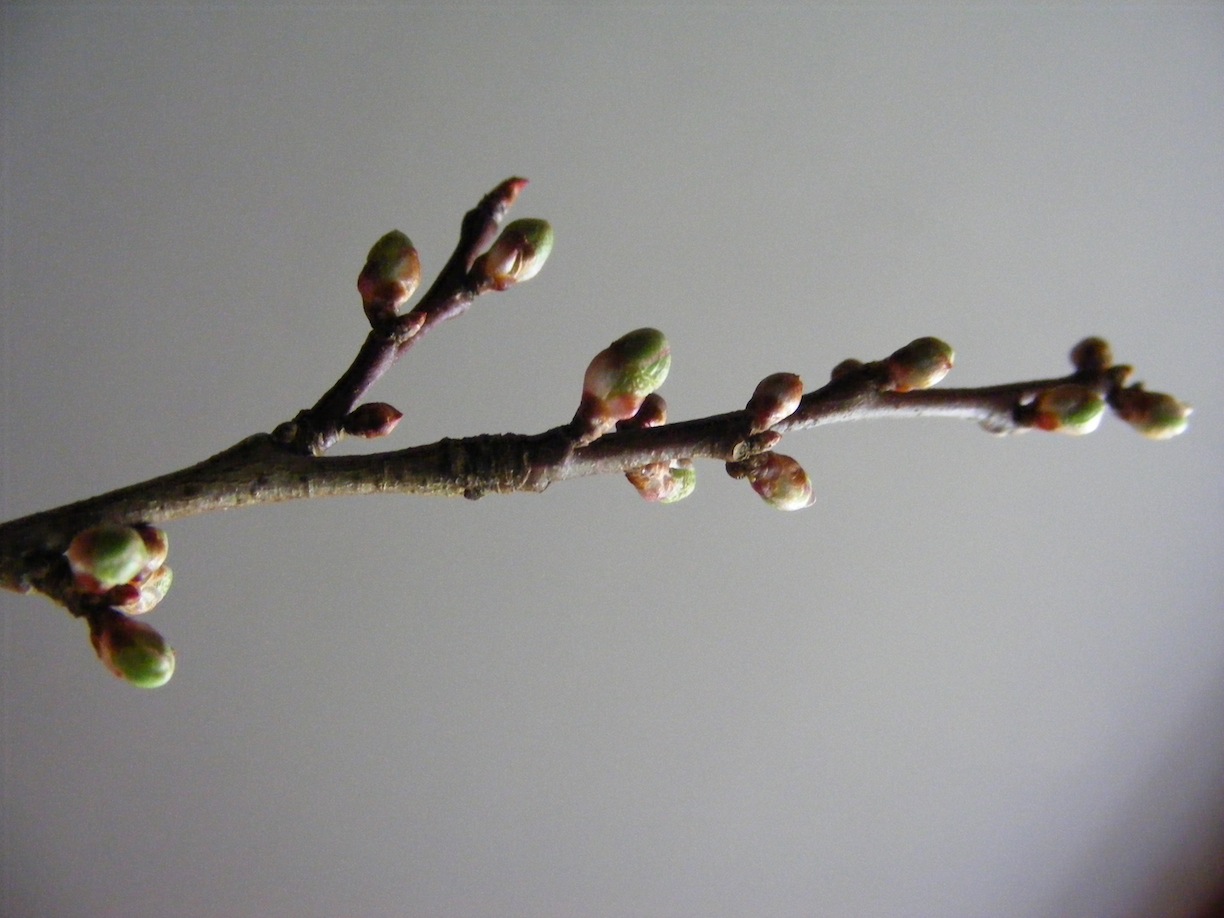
[[74, 554]]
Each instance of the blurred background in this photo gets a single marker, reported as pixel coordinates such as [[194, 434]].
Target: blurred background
[[980, 677]]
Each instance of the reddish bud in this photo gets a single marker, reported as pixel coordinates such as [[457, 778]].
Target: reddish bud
[[373, 419], [1092, 355], [776, 397], [919, 365], [780, 481], [137, 599], [652, 413], [847, 367], [390, 276]]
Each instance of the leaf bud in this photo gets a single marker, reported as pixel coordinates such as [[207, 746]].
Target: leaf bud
[[390, 276], [780, 481], [776, 397], [1092, 355], [373, 419], [518, 254], [132, 650], [620, 377], [1154, 414], [107, 555], [919, 365], [1069, 409]]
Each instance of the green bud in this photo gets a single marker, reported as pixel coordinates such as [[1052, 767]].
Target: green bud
[[1092, 355], [620, 377], [132, 650], [681, 480], [105, 556], [780, 481], [776, 397], [919, 365], [1154, 414], [390, 276], [1069, 409], [518, 254]]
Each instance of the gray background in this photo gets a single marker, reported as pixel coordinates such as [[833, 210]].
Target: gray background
[[979, 677]]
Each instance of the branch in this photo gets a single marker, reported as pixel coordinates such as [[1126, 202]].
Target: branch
[[103, 558]]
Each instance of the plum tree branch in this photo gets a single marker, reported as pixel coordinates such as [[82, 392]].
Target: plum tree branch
[[620, 427]]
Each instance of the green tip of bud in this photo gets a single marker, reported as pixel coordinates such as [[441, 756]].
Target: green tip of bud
[[776, 397], [518, 254], [1068, 409], [1092, 355], [133, 650], [105, 556], [1154, 414], [780, 481], [681, 480], [920, 364], [390, 276], [620, 378]]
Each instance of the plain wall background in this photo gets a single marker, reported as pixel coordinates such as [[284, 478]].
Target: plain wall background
[[979, 677]]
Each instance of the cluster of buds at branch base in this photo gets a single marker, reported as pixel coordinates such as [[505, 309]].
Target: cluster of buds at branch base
[[518, 254], [779, 480], [121, 571], [373, 419], [661, 482], [618, 380], [133, 650], [1069, 409], [1154, 414], [390, 276], [776, 397]]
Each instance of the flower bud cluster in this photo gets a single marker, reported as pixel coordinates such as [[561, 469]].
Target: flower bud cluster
[[121, 571], [391, 274], [518, 254], [779, 480], [618, 380], [661, 482]]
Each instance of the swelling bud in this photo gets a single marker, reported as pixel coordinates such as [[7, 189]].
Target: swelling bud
[[390, 276], [776, 397], [1068, 409], [105, 556], [518, 254], [132, 650], [1155, 415], [620, 377], [919, 365], [780, 481]]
